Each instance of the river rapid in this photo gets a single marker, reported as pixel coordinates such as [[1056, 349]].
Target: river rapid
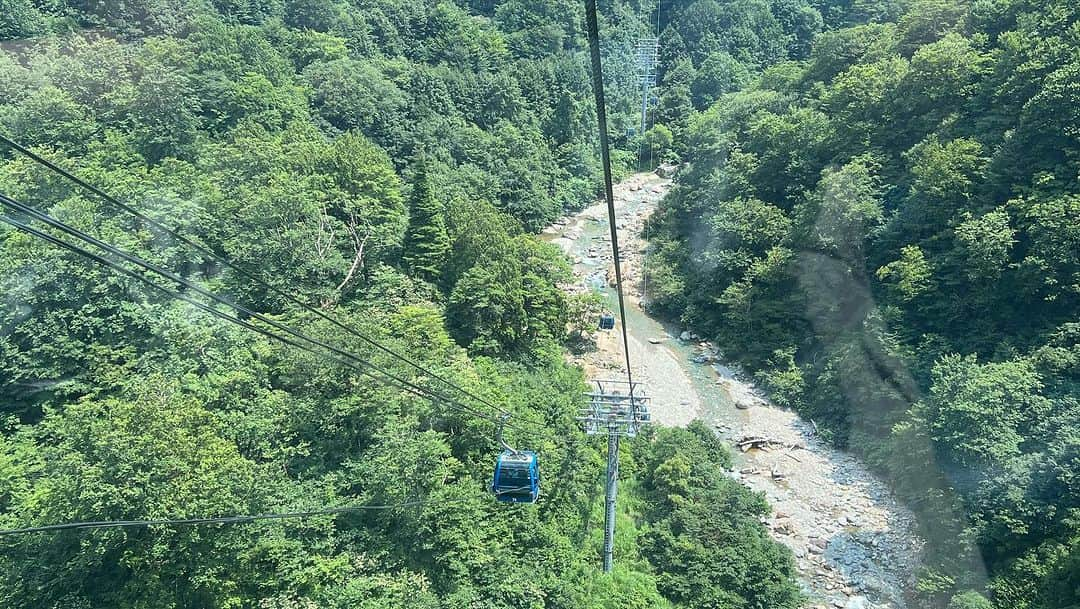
[[854, 544]]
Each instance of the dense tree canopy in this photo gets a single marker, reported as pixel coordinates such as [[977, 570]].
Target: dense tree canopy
[[878, 231], [386, 163]]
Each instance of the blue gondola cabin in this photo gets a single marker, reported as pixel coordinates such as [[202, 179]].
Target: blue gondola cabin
[[607, 321], [517, 477]]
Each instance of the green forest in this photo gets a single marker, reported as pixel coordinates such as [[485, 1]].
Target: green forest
[[387, 163], [877, 216], [886, 234]]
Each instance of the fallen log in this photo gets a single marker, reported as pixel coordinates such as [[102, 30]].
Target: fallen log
[[759, 442]]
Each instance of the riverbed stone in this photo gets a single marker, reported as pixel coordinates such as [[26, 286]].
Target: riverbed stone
[[856, 602]]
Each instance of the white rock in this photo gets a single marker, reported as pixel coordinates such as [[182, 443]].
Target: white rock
[[856, 602]]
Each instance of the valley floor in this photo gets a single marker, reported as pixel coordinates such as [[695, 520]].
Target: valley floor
[[854, 544]]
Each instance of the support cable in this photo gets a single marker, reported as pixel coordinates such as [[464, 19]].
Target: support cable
[[340, 355], [205, 251], [201, 305], [331, 511], [605, 155]]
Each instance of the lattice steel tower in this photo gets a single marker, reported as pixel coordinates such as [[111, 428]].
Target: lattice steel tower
[[616, 412], [647, 51]]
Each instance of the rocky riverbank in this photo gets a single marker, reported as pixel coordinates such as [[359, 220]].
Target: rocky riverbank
[[854, 544]]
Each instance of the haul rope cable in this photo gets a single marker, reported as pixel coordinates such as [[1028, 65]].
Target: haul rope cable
[[333, 511], [348, 360], [239, 270], [414, 390], [11, 203], [203, 250], [605, 156], [363, 364]]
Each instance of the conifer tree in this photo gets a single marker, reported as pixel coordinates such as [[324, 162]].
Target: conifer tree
[[427, 243]]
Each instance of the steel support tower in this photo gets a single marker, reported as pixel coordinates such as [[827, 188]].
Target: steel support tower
[[617, 408], [648, 49]]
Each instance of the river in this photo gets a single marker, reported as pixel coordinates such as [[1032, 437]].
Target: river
[[854, 544]]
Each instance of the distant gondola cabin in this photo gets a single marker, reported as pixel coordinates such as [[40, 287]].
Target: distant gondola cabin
[[517, 477], [607, 321]]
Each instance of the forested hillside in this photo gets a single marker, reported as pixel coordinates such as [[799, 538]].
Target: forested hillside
[[386, 161], [886, 234]]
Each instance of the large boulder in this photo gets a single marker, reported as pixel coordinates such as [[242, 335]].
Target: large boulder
[[667, 170]]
